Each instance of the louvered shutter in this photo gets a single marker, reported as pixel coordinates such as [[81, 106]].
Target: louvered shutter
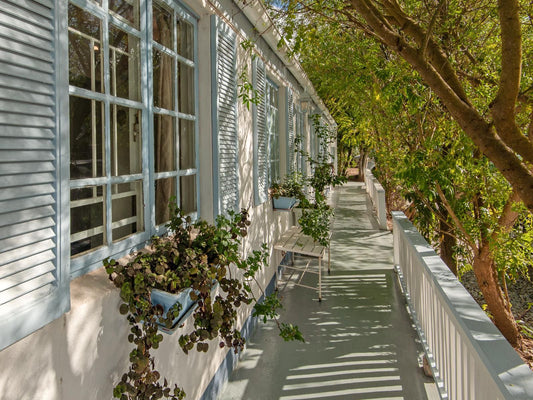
[[225, 121], [290, 132], [303, 145], [261, 156], [33, 282]]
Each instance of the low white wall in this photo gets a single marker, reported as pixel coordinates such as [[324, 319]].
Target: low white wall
[[83, 354], [376, 193], [469, 356]]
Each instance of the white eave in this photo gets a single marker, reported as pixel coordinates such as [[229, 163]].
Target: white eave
[[257, 14]]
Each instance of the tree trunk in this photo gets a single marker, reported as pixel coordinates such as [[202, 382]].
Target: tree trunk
[[487, 280], [362, 161], [447, 243], [437, 72]]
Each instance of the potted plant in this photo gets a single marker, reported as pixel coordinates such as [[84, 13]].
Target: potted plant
[[193, 268], [316, 214], [289, 192]]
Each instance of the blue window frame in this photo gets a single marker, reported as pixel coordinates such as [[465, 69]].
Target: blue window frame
[[292, 131], [272, 118], [133, 123]]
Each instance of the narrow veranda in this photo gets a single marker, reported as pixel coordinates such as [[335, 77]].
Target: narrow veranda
[[360, 343]]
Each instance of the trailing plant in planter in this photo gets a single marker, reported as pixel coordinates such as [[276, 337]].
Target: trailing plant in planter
[[205, 259], [291, 188]]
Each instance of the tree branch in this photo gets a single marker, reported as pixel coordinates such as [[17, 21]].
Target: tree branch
[[430, 27], [503, 107], [469, 240], [436, 58], [508, 216], [468, 118], [530, 128]]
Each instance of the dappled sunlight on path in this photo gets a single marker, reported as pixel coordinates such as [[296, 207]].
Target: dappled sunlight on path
[[359, 339]]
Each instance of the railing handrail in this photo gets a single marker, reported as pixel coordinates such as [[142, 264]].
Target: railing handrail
[[376, 192], [470, 357]]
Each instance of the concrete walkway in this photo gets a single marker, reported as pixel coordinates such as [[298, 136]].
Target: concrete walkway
[[359, 339]]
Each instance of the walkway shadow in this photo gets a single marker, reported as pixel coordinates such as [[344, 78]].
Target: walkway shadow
[[359, 345], [359, 340]]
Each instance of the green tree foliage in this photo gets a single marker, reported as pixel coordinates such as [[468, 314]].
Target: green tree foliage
[[473, 55], [421, 85]]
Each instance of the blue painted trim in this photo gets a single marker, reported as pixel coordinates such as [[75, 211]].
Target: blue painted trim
[[148, 152], [196, 122], [108, 205], [62, 144], [230, 361], [257, 199], [93, 260], [218, 26], [214, 115], [288, 101], [19, 319]]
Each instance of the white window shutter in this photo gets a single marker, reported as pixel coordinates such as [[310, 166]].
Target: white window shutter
[[34, 279], [290, 132], [226, 151], [261, 156]]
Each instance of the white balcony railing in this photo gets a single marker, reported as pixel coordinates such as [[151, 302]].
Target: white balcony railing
[[469, 357], [376, 193]]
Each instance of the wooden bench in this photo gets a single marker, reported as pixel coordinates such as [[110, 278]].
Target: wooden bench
[[297, 243]]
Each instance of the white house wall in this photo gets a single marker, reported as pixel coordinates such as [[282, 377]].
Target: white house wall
[[83, 354]]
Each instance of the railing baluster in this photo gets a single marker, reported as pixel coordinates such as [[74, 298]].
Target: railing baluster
[[469, 356]]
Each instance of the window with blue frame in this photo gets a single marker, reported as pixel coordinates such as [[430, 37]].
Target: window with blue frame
[[272, 125], [133, 121]]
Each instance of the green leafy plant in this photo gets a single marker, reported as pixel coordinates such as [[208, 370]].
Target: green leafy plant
[[292, 186], [246, 91], [315, 221], [316, 215], [206, 259]]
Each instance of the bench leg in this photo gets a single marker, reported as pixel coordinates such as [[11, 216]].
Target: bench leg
[[277, 276], [329, 260], [319, 279]]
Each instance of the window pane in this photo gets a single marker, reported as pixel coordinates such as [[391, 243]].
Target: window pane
[[127, 209], [185, 39], [275, 171], [86, 138], [126, 139], [164, 190], [186, 88], [274, 147], [187, 144], [273, 131], [163, 83], [125, 64], [188, 194], [127, 9], [273, 96], [86, 219], [162, 30], [85, 56], [165, 143]]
